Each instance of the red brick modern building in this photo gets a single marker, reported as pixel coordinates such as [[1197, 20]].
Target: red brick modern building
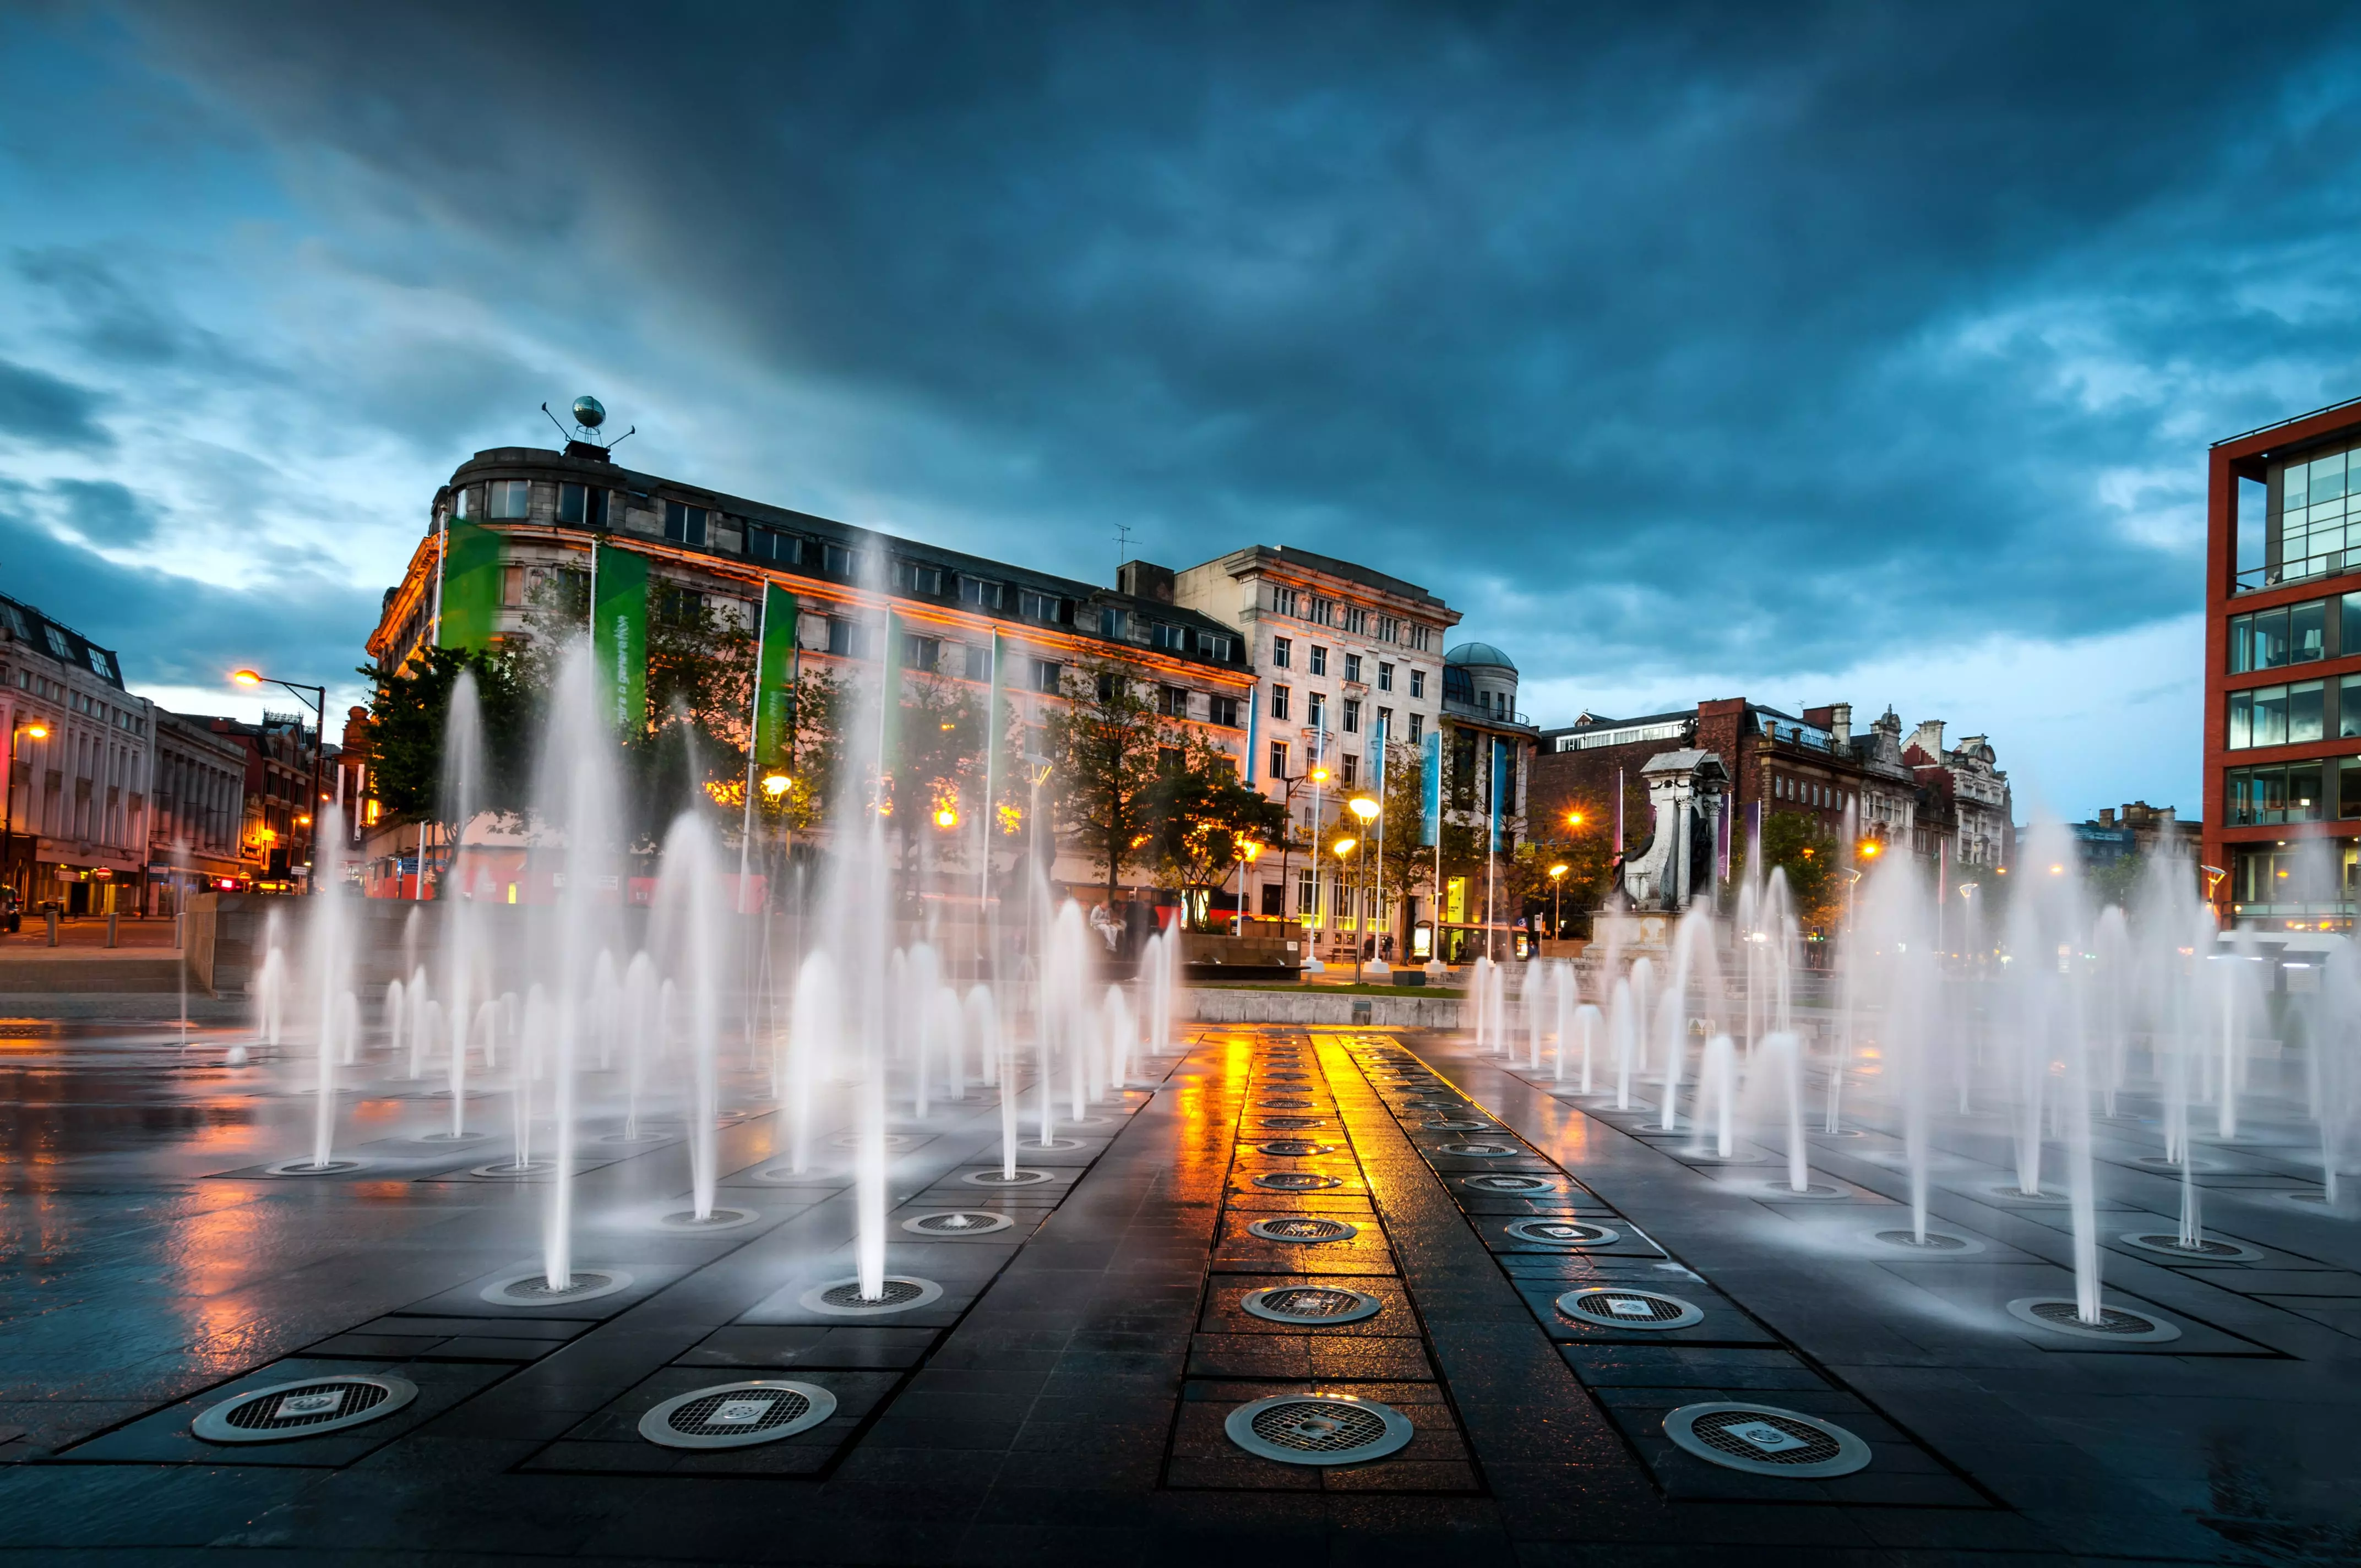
[[2283, 672]]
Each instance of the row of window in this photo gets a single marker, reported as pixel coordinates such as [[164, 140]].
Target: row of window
[[98, 658], [1282, 706], [1282, 657], [2293, 792], [2292, 714], [2295, 634], [1348, 766], [851, 639], [1809, 792], [1352, 619], [75, 702]]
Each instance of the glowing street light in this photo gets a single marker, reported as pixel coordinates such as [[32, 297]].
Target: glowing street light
[[1557, 891], [775, 785], [38, 731], [319, 695]]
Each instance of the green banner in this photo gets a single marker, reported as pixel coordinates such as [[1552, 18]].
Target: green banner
[[619, 635], [774, 682], [468, 599]]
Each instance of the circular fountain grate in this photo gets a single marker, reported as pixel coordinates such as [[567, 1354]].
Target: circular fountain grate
[[1304, 1228], [1451, 1125], [1936, 1242], [1318, 1428], [1289, 1077], [308, 1168], [899, 1293], [2114, 1322], [1286, 1104], [305, 1409], [1297, 1181], [1294, 1121], [1763, 1440], [853, 1140], [2166, 1162], [1295, 1148], [1818, 1191], [997, 1179], [716, 1220], [2167, 1243], [511, 1168], [1517, 1184], [1310, 1304], [1562, 1233], [532, 1289], [958, 1222], [1478, 1151], [738, 1415], [1615, 1307]]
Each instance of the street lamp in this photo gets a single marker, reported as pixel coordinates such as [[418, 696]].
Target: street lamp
[[776, 784], [38, 731], [319, 743], [1247, 852], [1557, 891], [1367, 809]]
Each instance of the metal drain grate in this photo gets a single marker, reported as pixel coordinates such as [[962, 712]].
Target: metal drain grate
[[1310, 1304], [1295, 1121], [1318, 1428], [1285, 1104], [1562, 1233], [307, 1168], [1448, 1126], [897, 1293], [2114, 1322], [718, 1220], [999, 1178], [738, 1415], [1477, 1151], [1304, 1228], [1289, 1077], [499, 1169], [1295, 1148], [1518, 1184], [1763, 1440], [532, 1287], [1615, 1307], [1296, 1181], [1936, 1242], [2167, 1243], [307, 1408], [958, 1222]]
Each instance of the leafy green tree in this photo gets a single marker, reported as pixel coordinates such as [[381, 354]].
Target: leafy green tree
[[1796, 842], [410, 713], [1108, 750], [1203, 814]]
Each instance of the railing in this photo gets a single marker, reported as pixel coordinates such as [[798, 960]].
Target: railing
[[2255, 579]]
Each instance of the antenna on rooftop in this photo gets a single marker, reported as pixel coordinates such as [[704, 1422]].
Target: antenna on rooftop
[[588, 413]]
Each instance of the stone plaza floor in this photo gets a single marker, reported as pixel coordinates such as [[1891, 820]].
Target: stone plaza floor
[[1529, 1284]]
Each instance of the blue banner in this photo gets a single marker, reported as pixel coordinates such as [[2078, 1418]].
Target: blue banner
[[1430, 817], [1500, 764]]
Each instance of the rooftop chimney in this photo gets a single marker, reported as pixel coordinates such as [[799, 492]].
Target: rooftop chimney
[[1840, 724], [1145, 580]]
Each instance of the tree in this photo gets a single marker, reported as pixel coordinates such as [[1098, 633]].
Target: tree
[[1203, 814], [1794, 842], [409, 713], [1107, 747], [1580, 837]]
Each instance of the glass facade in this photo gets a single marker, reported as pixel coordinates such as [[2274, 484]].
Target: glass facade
[[2308, 520], [2290, 792]]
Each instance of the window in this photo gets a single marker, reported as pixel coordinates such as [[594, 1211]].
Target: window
[[920, 652], [1388, 629], [1319, 660], [1385, 730], [1111, 622], [511, 587], [2312, 533], [981, 594], [1419, 636], [911, 578], [105, 665], [1318, 717], [1279, 695], [2262, 796], [1285, 601], [1048, 675], [1168, 759], [2349, 636], [1352, 770], [1278, 759], [684, 524], [582, 505], [1282, 649], [1107, 687], [2348, 788], [979, 661], [1417, 728], [1385, 677], [838, 561], [1170, 638], [1352, 666], [2348, 708], [1045, 607], [1357, 620], [512, 499], [2306, 632], [1305, 887], [769, 545], [1172, 702], [463, 503], [1323, 612], [844, 639], [14, 620], [1217, 645], [2304, 718], [1418, 683], [1221, 710], [1352, 716]]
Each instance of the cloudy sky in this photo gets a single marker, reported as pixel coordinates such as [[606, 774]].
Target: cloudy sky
[[1868, 353]]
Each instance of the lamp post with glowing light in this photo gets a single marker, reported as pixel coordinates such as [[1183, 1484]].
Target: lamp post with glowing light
[[1367, 809], [319, 744], [38, 731], [1316, 777], [1557, 892], [1247, 852], [1340, 848]]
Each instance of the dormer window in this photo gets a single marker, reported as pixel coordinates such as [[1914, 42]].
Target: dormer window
[[684, 524]]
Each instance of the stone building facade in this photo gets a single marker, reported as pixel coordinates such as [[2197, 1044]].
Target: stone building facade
[[77, 794], [199, 812]]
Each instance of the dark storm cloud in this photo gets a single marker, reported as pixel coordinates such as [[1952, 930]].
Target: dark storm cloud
[[172, 630], [38, 407], [1758, 334], [103, 512]]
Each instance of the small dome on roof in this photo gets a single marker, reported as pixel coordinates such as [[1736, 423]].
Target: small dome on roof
[[1480, 653]]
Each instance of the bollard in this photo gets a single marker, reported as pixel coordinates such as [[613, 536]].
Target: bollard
[[52, 917], [110, 918]]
